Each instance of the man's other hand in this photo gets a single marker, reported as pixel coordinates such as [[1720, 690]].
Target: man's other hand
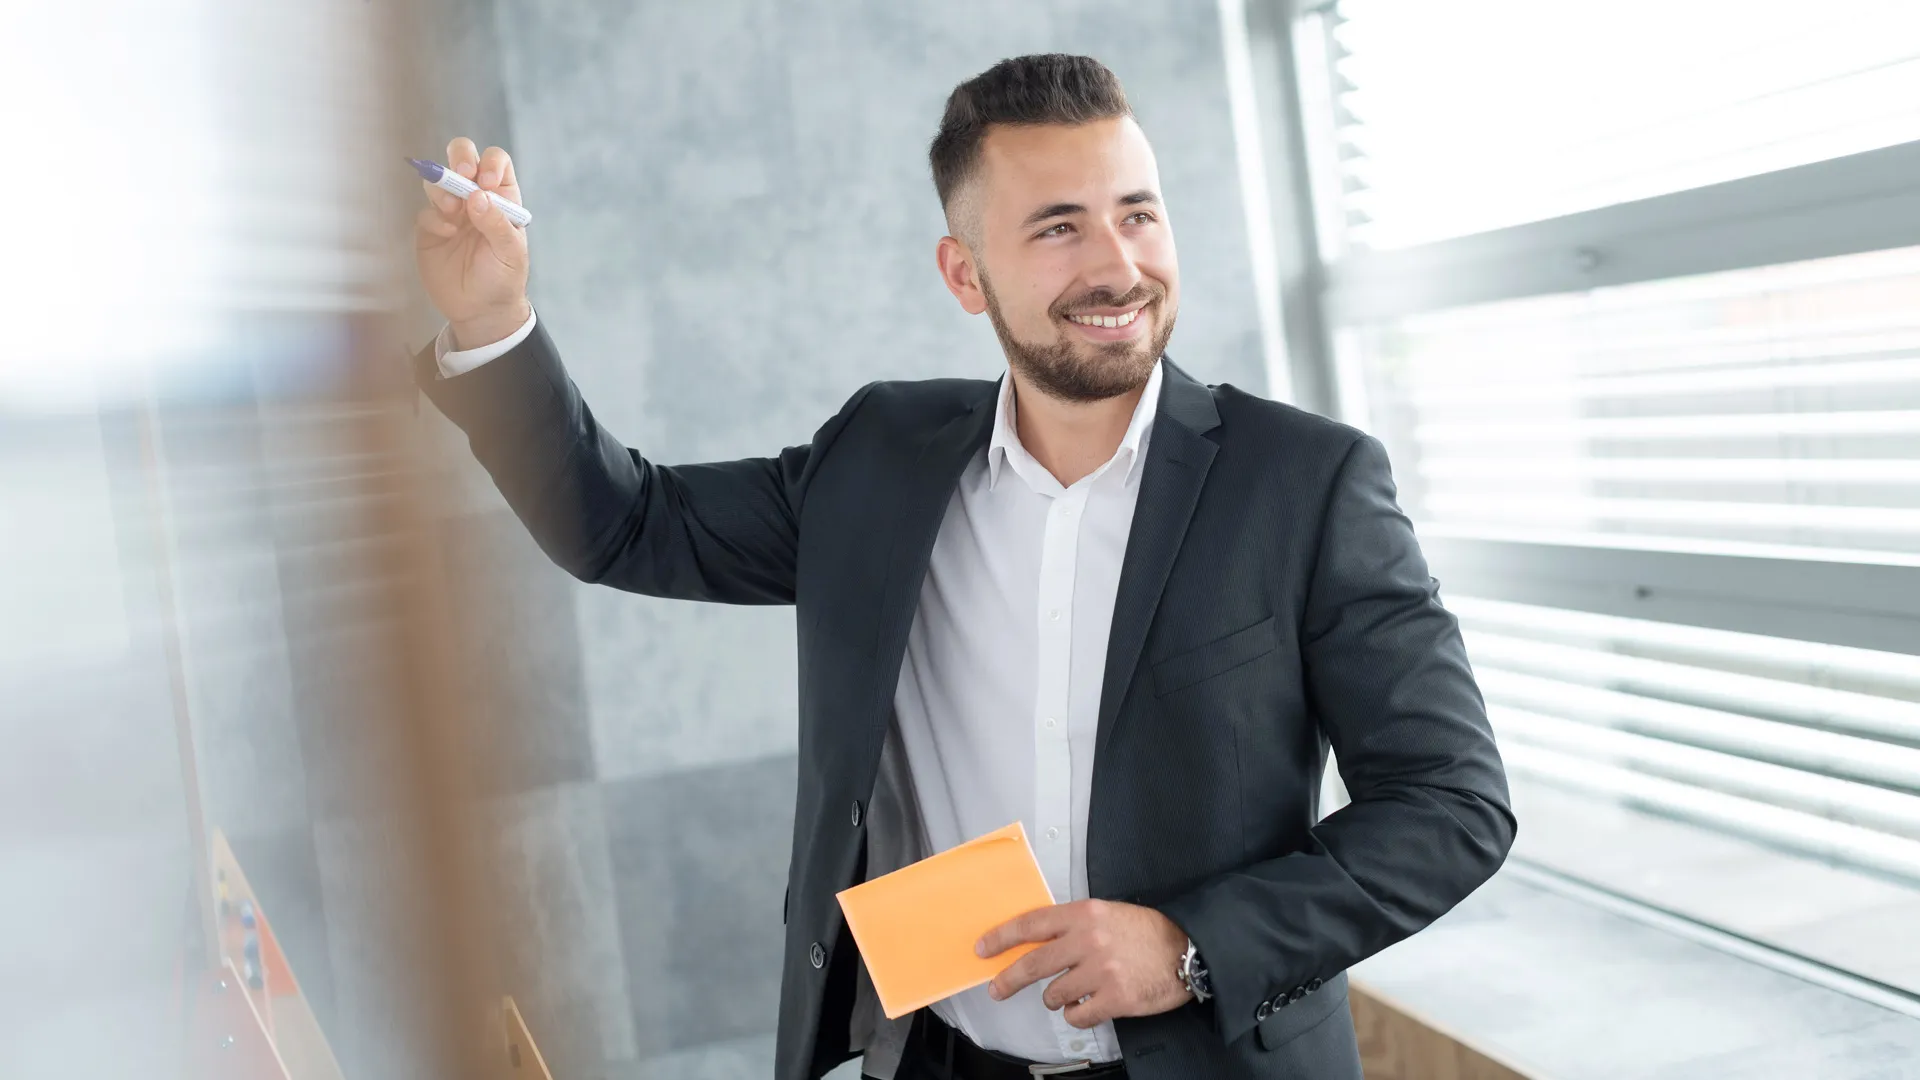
[[1119, 960]]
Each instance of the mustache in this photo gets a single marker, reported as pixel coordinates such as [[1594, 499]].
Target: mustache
[[1145, 291]]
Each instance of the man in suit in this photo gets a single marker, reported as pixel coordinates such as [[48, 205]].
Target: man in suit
[[1127, 609]]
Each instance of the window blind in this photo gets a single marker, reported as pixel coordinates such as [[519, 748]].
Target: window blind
[[1767, 408], [1811, 747], [1443, 119]]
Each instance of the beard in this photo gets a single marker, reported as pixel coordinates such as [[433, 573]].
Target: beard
[[1087, 371]]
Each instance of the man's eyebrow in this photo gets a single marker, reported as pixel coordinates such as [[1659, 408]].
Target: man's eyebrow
[[1144, 196], [1064, 209]]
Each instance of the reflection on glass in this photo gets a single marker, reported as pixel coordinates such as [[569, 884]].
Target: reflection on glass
[[193, 557]]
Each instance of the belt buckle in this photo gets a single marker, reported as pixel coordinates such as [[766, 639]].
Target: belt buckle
[[1060, 1070]]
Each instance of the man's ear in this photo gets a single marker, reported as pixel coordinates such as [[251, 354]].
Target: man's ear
[[957, 269]]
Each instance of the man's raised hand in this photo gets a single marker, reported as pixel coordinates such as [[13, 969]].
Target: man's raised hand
[[472, 260]]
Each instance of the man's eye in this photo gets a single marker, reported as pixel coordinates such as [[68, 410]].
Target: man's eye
[[1142, 217], [1057, 230]]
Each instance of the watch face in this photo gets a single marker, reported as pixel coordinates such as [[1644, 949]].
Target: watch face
[[1198, 972]]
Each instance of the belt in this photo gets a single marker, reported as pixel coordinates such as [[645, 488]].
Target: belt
[[973, 1062]]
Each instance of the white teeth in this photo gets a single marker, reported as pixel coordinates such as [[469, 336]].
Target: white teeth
[[1110, 321]]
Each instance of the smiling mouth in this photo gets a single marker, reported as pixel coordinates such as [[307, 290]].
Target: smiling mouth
[[1109, 321]]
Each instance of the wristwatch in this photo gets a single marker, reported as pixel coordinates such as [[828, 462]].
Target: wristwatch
[[1193, 973]]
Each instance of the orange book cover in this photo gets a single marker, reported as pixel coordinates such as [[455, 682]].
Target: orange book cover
[[917, 926]]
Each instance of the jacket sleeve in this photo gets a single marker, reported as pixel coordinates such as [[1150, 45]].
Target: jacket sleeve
[[725, 532], [1430, 819]]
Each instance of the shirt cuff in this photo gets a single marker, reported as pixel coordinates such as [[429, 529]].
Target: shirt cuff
[[458, 362]]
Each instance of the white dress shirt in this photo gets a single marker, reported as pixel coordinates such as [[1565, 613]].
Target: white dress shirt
[[998, 701], [458, 362], [999, 693]]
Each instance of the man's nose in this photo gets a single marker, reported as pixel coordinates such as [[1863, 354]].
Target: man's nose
[[1110, 263]]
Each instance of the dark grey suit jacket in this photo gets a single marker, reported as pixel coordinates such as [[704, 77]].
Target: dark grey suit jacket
[[1272, 601]]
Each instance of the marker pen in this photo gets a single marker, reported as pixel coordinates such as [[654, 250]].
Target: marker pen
[[454, 184]]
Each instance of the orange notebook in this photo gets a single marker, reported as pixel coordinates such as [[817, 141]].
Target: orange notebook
[[916, 927]]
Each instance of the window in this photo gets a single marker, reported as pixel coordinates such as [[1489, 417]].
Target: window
[[1441, 119], [1632, 294], [1771, 406]]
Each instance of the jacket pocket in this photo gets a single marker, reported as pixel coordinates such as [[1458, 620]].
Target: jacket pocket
[[1214, 658]]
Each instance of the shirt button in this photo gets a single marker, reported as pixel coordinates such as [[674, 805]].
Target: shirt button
[[817, 954], [1050, 723], [1077, 1045], [1054, 614], [1053, 834]]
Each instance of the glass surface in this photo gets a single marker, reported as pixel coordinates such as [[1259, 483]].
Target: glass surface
[[183, 530]]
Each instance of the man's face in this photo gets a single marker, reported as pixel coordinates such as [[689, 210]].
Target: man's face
[[1070, 235]]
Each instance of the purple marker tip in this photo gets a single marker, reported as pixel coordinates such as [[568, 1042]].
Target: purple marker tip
[[429, 171]]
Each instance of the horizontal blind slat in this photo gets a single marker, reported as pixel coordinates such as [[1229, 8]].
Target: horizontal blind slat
[[1826, 753], [1825, 796], [1848, 844]]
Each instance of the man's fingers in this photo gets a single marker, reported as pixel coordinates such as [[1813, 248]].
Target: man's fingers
[[1044, 962], [435, 224], [463, 157], [1089, 1014], [509, 244], [496, 173], [492, 171], [1040, 924], [446, 203], [1079, 981]]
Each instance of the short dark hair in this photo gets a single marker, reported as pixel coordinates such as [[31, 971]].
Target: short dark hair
[[1050, 88]]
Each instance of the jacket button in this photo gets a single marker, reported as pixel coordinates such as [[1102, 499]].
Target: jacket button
[[1265, 1010], [818, 955], [856, 813], [1314, 985]]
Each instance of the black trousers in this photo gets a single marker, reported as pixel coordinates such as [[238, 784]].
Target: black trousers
[[925, 1056]]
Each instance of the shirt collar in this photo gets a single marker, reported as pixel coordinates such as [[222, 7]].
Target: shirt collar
[[1006, 435]]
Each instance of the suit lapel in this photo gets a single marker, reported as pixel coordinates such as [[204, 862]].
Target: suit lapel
[[928, 488], [1178, 457]]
